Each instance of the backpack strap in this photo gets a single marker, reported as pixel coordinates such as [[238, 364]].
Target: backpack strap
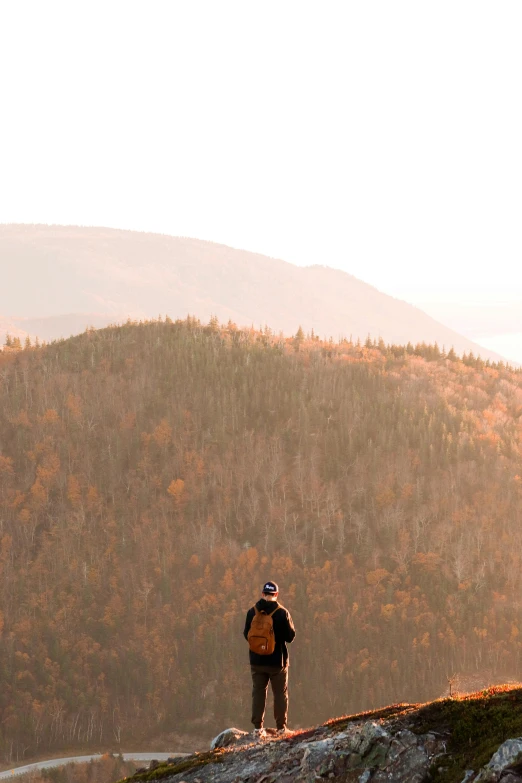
[[262, 611]]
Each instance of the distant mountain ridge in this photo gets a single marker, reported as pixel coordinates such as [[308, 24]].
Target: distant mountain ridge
[[59, 279]]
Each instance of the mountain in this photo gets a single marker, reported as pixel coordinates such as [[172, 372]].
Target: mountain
[[101, 276], [153, 476]]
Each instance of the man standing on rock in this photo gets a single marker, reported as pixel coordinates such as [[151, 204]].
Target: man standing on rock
[[268, 629]]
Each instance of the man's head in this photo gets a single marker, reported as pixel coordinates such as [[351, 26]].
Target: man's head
[[270, 591]]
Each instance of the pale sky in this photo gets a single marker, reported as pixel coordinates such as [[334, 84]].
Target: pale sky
[[383, 138]]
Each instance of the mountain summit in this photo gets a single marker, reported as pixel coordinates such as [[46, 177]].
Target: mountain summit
[[59, 279]]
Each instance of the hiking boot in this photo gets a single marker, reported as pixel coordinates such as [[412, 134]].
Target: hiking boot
[[259, 733]]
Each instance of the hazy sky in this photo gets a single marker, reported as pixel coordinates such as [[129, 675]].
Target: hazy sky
[[384, 138]]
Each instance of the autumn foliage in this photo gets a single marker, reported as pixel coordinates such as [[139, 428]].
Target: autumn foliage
[[153, 475]]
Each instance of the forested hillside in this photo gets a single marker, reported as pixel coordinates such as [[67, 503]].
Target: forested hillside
[[153, 475]]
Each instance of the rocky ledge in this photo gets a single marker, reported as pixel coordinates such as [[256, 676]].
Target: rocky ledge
[[468, 739]]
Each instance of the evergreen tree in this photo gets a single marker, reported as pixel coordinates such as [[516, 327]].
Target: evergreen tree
[[298, 339]]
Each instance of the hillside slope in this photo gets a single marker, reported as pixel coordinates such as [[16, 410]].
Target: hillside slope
[[153, 476], [101, 275]]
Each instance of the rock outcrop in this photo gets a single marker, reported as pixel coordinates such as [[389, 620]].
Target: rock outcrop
[[229, 737], [461, 740], [504, 765], [364, 751]]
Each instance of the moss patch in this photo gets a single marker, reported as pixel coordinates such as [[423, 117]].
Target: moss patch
[[476, 725], [382, 714], [184, 765]]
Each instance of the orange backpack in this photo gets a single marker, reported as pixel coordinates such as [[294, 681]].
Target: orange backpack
[[261, 639]]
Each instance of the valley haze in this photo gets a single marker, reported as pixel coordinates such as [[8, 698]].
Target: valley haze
[[57, 280]]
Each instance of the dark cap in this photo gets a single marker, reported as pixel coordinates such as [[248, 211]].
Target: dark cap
[[270, 588]]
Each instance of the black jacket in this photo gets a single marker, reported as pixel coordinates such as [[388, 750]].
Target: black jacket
[[284, 633]]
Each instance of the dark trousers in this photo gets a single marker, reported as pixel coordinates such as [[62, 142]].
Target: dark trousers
[[261, 676]]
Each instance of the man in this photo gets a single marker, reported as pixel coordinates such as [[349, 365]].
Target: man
[[272, 667]]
